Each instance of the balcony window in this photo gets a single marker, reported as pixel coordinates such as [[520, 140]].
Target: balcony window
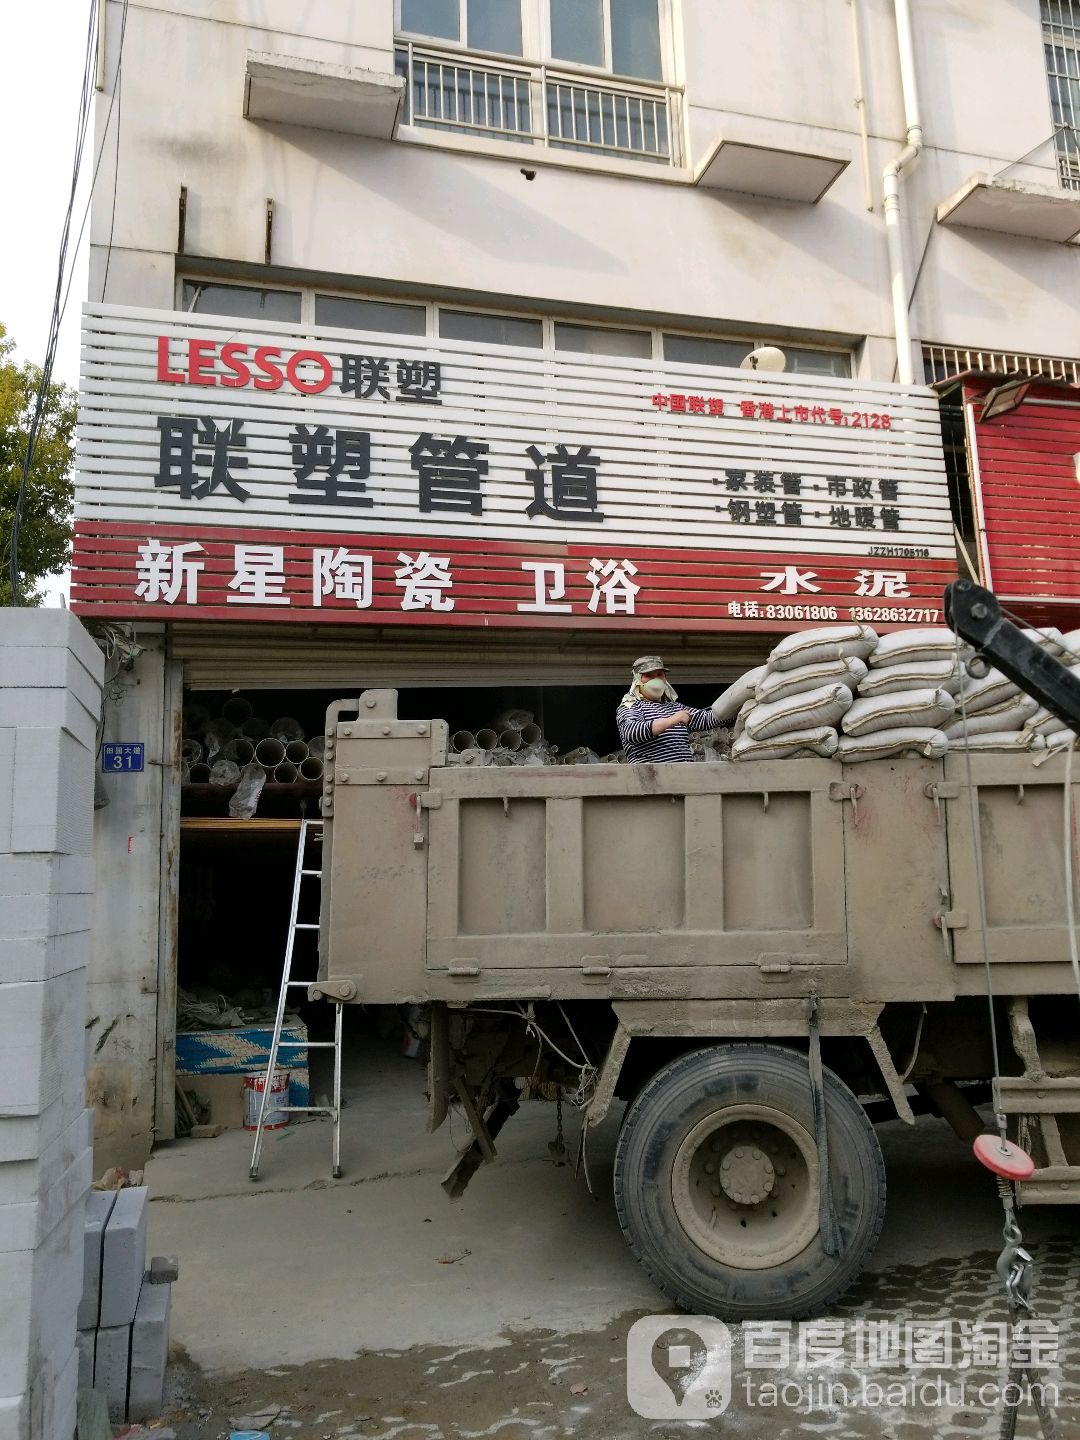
[[1061, 43], [546, 100], [618, 35], [492, 25]]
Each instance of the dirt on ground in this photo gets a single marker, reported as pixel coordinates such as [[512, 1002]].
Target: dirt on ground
[[829, 1382]]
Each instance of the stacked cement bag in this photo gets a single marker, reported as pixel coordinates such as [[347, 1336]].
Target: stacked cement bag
[[792, 705], [905, 698], [995, 714]]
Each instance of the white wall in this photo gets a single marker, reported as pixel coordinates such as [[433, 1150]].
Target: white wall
[[49, 700], [422, 216]]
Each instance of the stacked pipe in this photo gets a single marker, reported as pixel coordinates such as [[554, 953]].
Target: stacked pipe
[[511, 738], [238, 745]]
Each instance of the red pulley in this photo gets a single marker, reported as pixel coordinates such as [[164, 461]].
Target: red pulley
[[1003, 1157]]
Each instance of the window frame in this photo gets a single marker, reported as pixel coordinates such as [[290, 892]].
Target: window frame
[[536, 42], [548, 320]]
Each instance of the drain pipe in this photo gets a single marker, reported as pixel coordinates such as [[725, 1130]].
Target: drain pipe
[[890, 184]]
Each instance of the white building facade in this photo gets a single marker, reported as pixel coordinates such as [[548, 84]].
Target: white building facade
[[413, 343]]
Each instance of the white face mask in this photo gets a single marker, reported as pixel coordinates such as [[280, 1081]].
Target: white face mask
[[654, 689]]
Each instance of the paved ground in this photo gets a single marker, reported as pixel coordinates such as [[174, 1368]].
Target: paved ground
[[372, 1307]]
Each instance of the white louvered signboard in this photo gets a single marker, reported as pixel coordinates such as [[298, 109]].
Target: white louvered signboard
[[620, 490]]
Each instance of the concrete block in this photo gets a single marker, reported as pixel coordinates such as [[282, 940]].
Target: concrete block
[[7, 785], [123, 1257], [149, 1352], [111, 1362], [85, 1345], [25, 1137], [28, 1178], [44, 875], [53, 793], [54, 629], [53, 710], [14, 1417], [23, 917], [40, 1290], [164, 1269], [99, 1206], [40, 668], [24, 1225], [43, 957], [42, 1043]]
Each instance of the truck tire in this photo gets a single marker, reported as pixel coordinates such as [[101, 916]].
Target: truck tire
[[716, 1183]]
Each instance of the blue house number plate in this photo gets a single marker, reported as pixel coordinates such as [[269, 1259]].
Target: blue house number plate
[[122, 756]]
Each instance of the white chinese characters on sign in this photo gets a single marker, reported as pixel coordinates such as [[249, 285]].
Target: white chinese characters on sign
[[165, 570], [549, 578], [425, 582], [260, 576], [889, 584], [611, 581], [343, 574], [790, 580]]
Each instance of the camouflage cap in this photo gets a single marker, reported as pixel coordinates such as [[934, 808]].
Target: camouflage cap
[[647, 663]]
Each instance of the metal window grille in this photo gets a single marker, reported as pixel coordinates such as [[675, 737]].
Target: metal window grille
[[534, 104], [940, 362], [1061, 43]]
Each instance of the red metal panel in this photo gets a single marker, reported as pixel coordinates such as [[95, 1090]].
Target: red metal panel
[[1026, 473], [130, 571]]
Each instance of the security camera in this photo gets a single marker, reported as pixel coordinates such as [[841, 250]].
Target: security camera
[[529, 174], [768, 357]]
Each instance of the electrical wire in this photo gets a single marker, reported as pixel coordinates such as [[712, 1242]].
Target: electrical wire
[[63, 284], [1070, 869], [980, 887], [118, 95], [113, 100]]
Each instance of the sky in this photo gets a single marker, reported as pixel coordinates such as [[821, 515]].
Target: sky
[[38, 113]]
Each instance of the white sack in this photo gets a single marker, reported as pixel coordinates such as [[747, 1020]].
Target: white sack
[[921, 740], [828, 642], [778, 684], [926, 709], [728, 705], [1009, 717], [820, 740], [823, 706], [944, 674], [1015, 741], [907, 647], [987, 692]]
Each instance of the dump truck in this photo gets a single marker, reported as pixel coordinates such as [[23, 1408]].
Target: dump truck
[[758, 961]]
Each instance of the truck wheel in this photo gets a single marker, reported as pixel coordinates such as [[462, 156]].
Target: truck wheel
[[716, 1183]]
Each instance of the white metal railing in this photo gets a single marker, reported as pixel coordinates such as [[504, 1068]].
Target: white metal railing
[[539, 105], [1061, 42], [943, 361]]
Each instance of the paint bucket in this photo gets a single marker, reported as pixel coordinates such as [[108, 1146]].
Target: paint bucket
[[254, 1084]]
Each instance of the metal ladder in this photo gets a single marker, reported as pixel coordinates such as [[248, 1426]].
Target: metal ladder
[[313, 830]]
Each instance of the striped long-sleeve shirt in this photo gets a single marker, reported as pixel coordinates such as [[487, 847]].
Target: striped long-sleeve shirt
[[643, 747]]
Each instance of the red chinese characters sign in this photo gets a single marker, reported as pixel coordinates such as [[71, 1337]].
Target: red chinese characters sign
[[304, 575], [1026, 477], [232, 470]]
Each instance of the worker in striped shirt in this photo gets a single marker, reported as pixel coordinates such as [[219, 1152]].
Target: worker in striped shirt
[[653, 726]]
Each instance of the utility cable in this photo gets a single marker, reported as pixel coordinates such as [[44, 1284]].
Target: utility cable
[[63, 281]]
